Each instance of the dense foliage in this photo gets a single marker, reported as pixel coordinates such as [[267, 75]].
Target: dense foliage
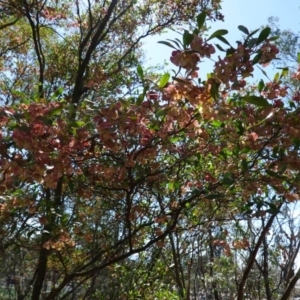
[[120, 183]]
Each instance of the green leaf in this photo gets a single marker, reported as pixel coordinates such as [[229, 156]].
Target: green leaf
[[227, 151], [247, 208], [298, 57], [244, 165], [223, 154], [252, 42], [196, 31], [230, 51], [64, 219], [258, 101], [257, 57], [161, 113], [177, 185], [167, 44], [264, 72], [245, 150], [292, 104], [179, 45], [56, 111], [263, 35], [196, 192], [57, 93], [164, 80], [228, 179], [239, 127], [261, 85], [175, 139], [253, 32], [187, 38], [171, 186], [243, 29], [222, 39], [296, 143], [274, 38], [140, 99], [77, 124], [273, 208], [276, 77], [218, 33], [188, 205], [275, 151], [220, 48], [284, 72], [217, 123], [18, 192], [282, 168], [140, 72], [214, 91], [201, 19], [179, 41]]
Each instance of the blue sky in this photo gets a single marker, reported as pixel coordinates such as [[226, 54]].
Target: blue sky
[[251, 13]]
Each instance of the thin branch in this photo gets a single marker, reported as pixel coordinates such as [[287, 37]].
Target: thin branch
[[251, 261]]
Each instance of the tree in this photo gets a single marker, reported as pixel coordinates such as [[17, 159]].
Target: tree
[[288, 43], [100, 164], [65, 52]]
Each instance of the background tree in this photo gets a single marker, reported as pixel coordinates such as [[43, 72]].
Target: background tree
[[289, 45], [98, 181]]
